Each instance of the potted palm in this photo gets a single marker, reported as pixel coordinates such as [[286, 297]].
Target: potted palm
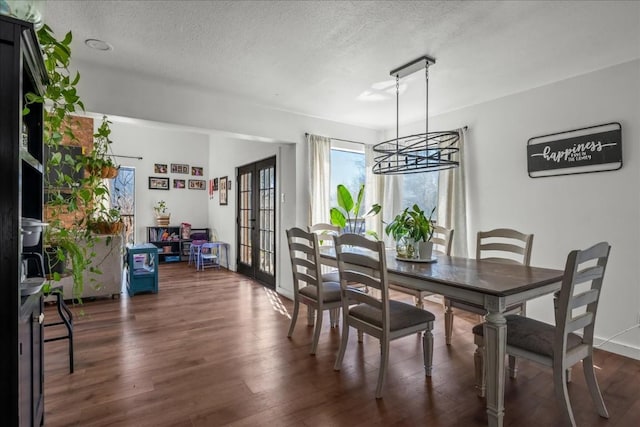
[[346, 214]]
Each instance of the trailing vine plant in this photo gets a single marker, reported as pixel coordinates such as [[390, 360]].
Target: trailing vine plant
[[69, 204]]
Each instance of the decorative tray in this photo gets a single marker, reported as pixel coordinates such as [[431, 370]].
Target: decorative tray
[[424, 261]]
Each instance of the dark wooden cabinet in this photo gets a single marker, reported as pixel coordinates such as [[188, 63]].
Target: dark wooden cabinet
[[21, 195]]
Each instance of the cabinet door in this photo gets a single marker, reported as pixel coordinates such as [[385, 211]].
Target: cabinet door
[[30, 349]]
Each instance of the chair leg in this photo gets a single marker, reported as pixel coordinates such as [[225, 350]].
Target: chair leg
[[311, 313], [294, 317], [316, 331], [592, 384], [360, 336], [448, 323], [562, 394], [384, 363], [478, 361], [568, 375], [418, 301], [343, 344], [427, 350], [513, 366], [333, 317]]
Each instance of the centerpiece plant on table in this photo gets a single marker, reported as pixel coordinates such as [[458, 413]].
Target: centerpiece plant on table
[[412, 231]]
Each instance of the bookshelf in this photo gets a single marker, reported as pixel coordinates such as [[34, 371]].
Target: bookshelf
[[172, 247]]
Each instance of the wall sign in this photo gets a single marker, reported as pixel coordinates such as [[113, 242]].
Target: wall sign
[[590, 149]]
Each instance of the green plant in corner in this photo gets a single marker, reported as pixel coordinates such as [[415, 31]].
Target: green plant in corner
[[346, 215]]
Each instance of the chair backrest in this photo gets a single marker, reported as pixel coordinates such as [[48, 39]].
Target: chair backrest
[[583, 266], [304, 254], [504, 245], [325, 232], [442, 239], [362, 261], [208, 249]]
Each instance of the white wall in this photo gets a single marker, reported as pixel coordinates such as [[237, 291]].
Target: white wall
[[226, 155], [163, 145], [566, 212]]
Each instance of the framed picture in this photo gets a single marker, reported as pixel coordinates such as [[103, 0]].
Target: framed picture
[[223, 190], [197, 171], [160, 168], [197, 184], [158, 183], [215, 184], [179, 168], [178, 183]]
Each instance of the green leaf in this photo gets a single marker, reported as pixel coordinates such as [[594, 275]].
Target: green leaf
[[338, 218], [344, 198], [356, 208]]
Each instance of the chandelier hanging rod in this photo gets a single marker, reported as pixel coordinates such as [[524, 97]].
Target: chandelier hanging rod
[[413, 66]]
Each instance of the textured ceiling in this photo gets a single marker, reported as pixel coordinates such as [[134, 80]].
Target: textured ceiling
[[319, 58]]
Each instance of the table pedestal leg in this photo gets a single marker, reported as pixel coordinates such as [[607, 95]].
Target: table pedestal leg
[[495, 336]]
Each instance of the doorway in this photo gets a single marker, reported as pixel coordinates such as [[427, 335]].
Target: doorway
[[256, 221], [122, 190]]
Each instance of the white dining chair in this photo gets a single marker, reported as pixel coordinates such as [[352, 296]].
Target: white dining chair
[[382, 318], [560, 347], [503, 245]]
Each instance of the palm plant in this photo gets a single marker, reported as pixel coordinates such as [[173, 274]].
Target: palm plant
[[346, 214]]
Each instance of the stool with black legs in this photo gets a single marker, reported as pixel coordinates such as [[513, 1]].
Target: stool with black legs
[[66, 319]]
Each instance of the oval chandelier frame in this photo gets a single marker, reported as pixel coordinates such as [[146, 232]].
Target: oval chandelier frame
[[423, 152]]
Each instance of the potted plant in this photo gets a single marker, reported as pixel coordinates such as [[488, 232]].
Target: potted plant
[[162, 217], [412, 230], [346, 215], [99, 161]]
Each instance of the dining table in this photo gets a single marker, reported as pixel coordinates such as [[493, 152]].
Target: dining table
[[493, 285]]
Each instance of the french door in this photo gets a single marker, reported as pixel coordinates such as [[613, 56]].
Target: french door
[[256, 221]]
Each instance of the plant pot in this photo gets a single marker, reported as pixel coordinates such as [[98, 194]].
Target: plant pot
[[52, 264], [163, 220], [109, 172], [425, 250], [103, 227], [406, 248]]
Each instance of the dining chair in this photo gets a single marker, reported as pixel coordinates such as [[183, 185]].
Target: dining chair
[[308, 286], [325, 234], [207, 256], [363, 261], [502, 245], [559, 347], [442, 239]]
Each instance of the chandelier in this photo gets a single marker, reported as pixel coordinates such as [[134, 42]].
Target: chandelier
[[423, 152]]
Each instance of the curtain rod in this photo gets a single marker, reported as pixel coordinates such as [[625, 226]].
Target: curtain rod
[[361, 143], [342, 140], [127, 157]]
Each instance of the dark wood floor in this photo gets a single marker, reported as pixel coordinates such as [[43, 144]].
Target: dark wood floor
[[211, 349]]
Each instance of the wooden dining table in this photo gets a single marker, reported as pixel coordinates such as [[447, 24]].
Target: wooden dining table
[[493, 285]]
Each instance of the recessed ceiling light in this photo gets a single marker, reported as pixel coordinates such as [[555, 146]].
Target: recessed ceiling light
[[98, 44]]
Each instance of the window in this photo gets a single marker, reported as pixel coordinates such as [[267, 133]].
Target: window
[[421, 189], [348, 169], [122, 192]]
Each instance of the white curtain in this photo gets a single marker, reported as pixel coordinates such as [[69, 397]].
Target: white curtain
[[319, 178], [452, 201], [374, 192]]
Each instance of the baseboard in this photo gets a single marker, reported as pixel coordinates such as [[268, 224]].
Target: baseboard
[[617, 348]]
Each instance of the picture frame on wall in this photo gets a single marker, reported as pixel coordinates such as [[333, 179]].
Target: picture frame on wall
[[179, 183], [197, 184], [179, 168], [215, 184], [222, 185], [158, 183], [160, 168], [197, 171]]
